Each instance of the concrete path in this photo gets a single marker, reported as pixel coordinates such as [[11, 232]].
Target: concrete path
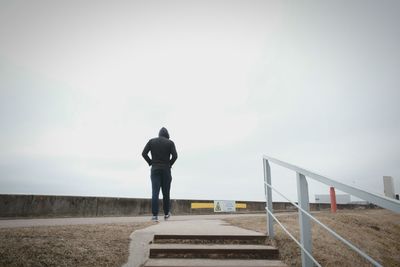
[[181, 225], [11, 223]]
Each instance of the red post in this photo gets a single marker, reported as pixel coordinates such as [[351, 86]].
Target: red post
[[333, 199]]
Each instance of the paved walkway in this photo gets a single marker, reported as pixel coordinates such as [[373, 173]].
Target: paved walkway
[[105, 220]]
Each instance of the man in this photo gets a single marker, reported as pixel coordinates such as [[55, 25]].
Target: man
[[163, 156]]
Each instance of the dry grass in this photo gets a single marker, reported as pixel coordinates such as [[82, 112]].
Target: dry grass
[[376, 232], [75, 245]]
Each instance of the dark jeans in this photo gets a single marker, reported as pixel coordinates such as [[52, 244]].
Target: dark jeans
[[160, 178]]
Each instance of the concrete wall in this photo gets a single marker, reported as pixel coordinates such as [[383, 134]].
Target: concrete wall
[[13, 206], [340, 198]]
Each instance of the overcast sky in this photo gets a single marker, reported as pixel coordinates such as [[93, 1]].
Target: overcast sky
[[85, 84]]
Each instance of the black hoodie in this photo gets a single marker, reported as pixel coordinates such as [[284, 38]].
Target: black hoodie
[[161, 149]]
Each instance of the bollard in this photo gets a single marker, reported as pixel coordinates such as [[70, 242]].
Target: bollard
[[333, 199]]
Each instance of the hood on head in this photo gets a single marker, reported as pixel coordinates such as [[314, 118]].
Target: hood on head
[[163, 133]]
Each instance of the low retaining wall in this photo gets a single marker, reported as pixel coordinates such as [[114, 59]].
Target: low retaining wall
[[12, 206]]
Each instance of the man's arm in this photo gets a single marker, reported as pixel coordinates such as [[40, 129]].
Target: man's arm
[[145, 153], [174, 154]]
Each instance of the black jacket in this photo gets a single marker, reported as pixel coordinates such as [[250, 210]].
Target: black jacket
[[161, 149]]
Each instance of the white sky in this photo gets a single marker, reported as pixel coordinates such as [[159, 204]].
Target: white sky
[[85, 84]]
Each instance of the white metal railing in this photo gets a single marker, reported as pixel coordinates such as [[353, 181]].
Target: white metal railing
[[303, 208]]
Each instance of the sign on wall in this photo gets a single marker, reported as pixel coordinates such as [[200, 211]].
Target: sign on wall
[[224, 206]]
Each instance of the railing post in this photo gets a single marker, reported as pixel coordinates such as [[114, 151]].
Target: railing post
[[333, 199], [268, 198], [304, 220]]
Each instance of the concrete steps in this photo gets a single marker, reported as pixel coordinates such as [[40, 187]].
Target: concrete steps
[[212, 250], [213, 263], [210, 239]]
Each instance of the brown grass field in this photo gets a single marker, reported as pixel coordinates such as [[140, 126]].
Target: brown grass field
[[376, 232], [75, 245]]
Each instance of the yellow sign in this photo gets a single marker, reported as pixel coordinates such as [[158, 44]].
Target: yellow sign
[[210, 205], [241, 205]]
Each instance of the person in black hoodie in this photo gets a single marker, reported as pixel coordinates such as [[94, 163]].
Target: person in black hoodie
[[163, 156]]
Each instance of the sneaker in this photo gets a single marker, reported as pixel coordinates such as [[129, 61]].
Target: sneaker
[[154, 219], [166, 217]]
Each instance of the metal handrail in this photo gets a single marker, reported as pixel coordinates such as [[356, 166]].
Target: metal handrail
[[305, 227], [294, 239], [362, 253], [381, 201]]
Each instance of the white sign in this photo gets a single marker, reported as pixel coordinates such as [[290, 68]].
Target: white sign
[[224, 206]]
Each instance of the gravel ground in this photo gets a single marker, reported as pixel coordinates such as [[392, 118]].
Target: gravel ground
[[73, 245], [376, 232]]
